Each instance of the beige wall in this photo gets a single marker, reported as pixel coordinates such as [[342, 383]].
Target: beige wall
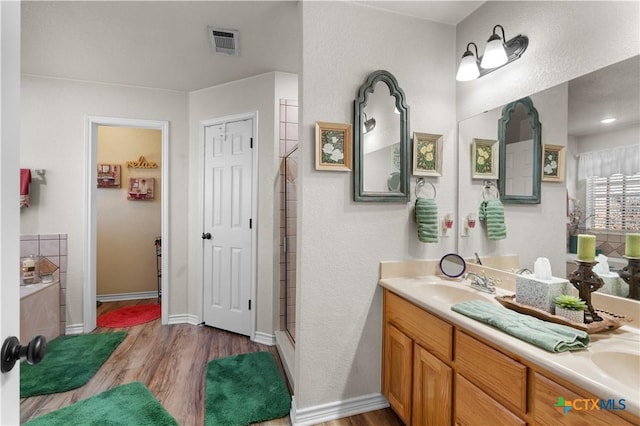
[[341, 242], [126, 231], [53, 137]]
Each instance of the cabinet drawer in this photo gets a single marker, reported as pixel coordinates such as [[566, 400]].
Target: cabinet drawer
[[428, 331], [500, 376], [474, 407], [545, 399]]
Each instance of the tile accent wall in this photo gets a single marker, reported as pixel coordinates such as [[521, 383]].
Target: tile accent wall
[[54, 248], [611, 245], [288, 142]]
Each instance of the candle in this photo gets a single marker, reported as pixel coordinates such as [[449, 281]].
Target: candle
[[632, 245], [586, 248]]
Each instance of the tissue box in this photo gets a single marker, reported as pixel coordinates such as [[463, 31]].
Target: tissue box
[[539, 293], [614, 285]]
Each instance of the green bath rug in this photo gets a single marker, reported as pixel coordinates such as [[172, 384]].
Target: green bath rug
[[244, 389], [126, 405], [69, 362]]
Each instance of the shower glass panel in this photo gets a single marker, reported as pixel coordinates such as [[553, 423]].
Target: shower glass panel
[[290, 241]]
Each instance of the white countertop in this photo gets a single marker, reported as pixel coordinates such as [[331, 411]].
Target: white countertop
[[576, 367]]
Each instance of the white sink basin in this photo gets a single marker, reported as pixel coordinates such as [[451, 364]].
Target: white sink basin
[[450, 294], [621, 366]]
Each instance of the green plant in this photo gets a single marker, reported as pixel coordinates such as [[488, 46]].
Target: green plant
[[570, 302]]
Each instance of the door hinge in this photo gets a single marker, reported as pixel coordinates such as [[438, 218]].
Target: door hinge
[[249, 304], [251, 143], [250, 223]]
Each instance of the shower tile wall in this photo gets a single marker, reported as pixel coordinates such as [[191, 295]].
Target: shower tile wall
[[54, 248], [288, 141]]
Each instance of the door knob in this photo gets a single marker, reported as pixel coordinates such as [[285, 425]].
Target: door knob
[[12, 351], [206, 236]]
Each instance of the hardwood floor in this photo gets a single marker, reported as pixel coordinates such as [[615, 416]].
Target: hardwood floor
[[171, 361]]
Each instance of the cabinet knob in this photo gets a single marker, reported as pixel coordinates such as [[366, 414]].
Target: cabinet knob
[[206, 236], [12, 351]]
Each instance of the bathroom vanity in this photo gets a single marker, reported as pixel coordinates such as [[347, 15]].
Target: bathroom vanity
[[40, 311], [440, 367]]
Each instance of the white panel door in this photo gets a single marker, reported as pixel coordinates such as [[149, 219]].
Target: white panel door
[[519, 168], [227, 242]]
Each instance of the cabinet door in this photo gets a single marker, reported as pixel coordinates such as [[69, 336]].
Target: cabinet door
[[546, 411], [432, 389], [398, 357], [474, 407]]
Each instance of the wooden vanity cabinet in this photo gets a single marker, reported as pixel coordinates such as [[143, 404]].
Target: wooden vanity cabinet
[[416, 382], [545, 398], [426, 385]]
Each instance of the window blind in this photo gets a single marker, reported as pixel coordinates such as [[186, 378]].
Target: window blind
[[613, 203]]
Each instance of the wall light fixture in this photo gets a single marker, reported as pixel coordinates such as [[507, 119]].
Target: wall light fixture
[[496, 55]]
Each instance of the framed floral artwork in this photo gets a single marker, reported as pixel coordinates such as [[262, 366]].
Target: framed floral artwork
[[333, 146], [427, 154], [553, 163], [484, 159], [109, 176]]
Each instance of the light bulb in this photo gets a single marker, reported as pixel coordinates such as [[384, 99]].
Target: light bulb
[[468, 69], [494, 54]]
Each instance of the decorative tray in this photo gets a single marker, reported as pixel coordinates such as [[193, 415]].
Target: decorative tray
[[610, 321]]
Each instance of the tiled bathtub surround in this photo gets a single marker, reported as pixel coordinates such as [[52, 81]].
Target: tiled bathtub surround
[[54, 248]]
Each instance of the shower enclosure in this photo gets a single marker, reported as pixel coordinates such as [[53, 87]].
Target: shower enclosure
[[289, 243], [288, 221]]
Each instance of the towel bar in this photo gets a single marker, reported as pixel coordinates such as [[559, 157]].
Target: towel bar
[[420, 183], [487, 188]]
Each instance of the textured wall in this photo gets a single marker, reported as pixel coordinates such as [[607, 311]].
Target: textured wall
[[53, 114], [338, 349], [262, 94], [566, 40]]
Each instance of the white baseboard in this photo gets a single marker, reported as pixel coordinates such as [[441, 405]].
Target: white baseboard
[[74, 329], [183, 319], [336, 410], [264, 338], [116, 297]]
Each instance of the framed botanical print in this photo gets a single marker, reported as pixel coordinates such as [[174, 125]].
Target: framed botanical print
[[427, 154], [484, 159], [553, 163], [333, 146]]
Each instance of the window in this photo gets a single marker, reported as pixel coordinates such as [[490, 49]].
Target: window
[[613, 203]]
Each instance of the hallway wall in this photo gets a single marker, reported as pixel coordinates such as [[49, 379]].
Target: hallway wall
[[127, 229], [53, 118]]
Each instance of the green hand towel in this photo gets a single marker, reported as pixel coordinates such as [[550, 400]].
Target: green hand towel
[[492, 212], [426, 213], [546, 335]]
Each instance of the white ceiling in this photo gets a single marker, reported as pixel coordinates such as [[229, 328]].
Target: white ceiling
[[613, 91], [155, 43], [165, 44]]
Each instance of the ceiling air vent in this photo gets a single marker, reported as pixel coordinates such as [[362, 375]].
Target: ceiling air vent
[[224, 42]]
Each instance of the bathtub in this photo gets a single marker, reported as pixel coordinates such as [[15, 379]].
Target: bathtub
[[39, 311]]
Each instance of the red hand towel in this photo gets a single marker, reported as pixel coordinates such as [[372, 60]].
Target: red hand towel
[[25, 180]]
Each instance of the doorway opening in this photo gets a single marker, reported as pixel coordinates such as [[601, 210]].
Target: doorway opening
[[94, 124]]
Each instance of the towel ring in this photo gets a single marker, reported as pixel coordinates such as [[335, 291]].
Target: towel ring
[[487, 189], [420, 183]]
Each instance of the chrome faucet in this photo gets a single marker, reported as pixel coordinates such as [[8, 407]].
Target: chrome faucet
[[481, 282]]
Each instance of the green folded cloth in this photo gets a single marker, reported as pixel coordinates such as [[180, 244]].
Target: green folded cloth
[[492, 212], [546, 335], [426, 213]]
